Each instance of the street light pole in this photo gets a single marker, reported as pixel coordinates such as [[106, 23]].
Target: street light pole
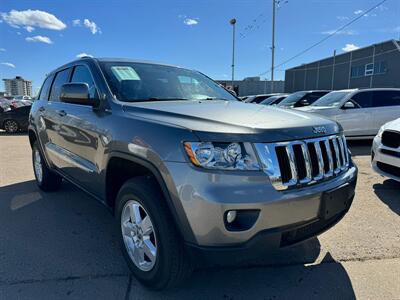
[[233, 23], [273, 46]]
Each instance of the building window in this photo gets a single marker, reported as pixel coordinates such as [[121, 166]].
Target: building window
[[357, 71], [380, 67], [369, 69]]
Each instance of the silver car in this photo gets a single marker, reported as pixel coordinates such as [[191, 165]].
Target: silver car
[[386, 150], [361, 112]]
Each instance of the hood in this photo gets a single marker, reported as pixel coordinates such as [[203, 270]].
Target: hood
[[231, 120], [393, 125], [314, 108]]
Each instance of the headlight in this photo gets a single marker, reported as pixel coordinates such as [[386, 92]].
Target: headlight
[[381, 130], [222, 156]]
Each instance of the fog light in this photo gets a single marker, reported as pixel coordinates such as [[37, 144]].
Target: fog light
[[231, 216]]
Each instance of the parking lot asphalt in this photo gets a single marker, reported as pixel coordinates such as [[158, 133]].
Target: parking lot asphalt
[[64, 245]]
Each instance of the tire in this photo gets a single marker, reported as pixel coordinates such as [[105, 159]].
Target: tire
[[11, 126], [171, 264], [46, 179]]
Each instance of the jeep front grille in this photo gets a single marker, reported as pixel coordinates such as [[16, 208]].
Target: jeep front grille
[[298, 163]]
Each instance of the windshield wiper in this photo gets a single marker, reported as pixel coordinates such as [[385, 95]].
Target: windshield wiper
[[156, 99], [213, 98]]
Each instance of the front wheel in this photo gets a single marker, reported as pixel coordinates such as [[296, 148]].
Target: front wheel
[[45, 178], [151, 245]]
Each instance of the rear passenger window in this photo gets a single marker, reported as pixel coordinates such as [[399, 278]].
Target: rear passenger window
[[61, 78], [386, 98], [44, 91], [82, 75], [363, 99]]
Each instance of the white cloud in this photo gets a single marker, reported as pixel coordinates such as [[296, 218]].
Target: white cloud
[[83, 54], [32, 18], [39, 39], [8, 64], [350, 47], [382, 7], [358, 11], [29, 28], [76, 22], [342, 32], [2, 50], [342, 18], [19, 33], [190, 21], [92, 26]]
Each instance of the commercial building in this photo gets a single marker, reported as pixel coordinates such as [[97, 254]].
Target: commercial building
[[377, 65], [18, 86], [253, 86]]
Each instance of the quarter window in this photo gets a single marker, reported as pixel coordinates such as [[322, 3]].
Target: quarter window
[[61, 78], [44, 91]]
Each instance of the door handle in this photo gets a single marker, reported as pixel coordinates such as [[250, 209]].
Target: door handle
[[61, 113], [42, 109]]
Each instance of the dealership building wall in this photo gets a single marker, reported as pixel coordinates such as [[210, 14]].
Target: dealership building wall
[[374, 66], [254, 86]]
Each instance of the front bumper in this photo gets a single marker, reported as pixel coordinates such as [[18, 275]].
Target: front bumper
[[266, 243], [206, 196], [385, 160]]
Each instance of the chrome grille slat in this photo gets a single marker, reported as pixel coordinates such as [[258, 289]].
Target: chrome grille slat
[[337, 155], [342, 149], [329, 159], [307, 161], [321, 165], [293, 169]]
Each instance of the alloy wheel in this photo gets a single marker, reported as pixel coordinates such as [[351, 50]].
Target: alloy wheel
[[11, 126], [139, 235]]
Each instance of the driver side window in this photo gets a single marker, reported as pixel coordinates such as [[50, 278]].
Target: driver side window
[[81, 74], [363, 99]]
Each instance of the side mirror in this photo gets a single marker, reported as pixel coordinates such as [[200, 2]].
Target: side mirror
[[349, 105], [232, 92], [77, 93], [301, 103]]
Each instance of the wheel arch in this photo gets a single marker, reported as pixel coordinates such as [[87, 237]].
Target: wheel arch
[[133, 166], [32, 136]]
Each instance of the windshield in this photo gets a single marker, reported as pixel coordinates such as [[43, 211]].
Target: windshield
[[270, 100], [292, 99], [134, 82], [332, 99]]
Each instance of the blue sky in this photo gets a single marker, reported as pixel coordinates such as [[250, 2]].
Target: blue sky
[[38, 36]]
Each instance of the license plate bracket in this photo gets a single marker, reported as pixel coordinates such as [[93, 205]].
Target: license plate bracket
[[335, 201]]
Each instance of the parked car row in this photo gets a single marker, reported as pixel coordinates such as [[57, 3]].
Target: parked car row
[[14, 115], [363, 114]]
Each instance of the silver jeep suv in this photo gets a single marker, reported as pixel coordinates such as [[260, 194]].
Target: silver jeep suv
[[188, 170]]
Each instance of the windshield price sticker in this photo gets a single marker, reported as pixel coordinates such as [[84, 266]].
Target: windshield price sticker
[[125, 73]]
